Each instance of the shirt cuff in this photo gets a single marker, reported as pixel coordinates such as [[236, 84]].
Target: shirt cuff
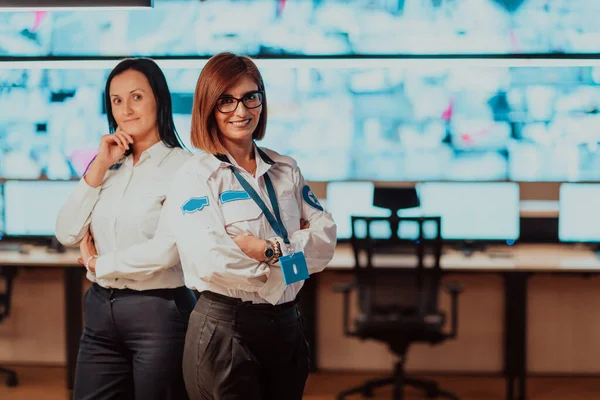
[[273, 289], [282, 245], [103, 267]]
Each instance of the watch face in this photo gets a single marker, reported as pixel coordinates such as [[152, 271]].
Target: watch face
[[269, 253]]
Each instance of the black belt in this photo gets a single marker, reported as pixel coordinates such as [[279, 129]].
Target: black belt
[[128, 292], [233, 301]]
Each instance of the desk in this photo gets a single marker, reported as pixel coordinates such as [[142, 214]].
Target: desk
[[520, 258], [525, 261], [38, 257], [515, 265]]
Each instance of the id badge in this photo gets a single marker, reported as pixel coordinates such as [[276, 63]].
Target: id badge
[[293, 267]]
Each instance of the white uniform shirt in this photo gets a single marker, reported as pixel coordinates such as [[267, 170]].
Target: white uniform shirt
[[207, 206], [123, 213]]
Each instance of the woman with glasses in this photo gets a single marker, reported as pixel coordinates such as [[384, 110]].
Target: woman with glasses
[[249, 231]]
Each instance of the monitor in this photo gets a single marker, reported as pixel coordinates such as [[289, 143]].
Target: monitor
[[1, 210], [579, 215], [396, 122], [31, 207], [364, 28], [472, 211], [345, 199]]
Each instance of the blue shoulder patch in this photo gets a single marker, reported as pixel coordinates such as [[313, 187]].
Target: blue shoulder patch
[[195, 204], [310, 198], [233, 195]]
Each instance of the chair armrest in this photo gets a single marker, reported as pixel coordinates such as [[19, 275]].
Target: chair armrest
[[345, 289], [454, 289]]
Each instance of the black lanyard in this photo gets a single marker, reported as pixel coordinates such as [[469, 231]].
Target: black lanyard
[[274, 221]]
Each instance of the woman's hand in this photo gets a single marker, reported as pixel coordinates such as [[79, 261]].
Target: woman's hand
[[87, 249], [252, 246], [113, 146]]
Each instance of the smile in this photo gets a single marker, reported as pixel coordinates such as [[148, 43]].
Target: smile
[[240, 123]]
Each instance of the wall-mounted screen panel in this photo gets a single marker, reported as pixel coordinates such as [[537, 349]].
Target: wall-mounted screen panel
[[309, 28], [392, 123]]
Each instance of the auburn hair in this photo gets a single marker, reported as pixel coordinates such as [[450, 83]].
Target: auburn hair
[[220, 73]]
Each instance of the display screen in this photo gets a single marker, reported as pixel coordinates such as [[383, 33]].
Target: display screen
[[482, 211], [372, 124], [579, 214], [309, 28], [31, 207]]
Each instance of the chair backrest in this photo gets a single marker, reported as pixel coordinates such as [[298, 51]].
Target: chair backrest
[[394, 274], [8, 273]]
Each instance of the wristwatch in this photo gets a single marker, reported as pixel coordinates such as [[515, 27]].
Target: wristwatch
[[272, 252], [269, 252]]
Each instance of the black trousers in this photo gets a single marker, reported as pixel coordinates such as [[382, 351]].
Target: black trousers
[[236, 350], [132, 344]]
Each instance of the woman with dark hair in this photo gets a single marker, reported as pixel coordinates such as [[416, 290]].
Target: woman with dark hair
[[249, 231], [137, 309]]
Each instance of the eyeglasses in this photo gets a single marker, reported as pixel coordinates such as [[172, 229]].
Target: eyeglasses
[[227, 104]]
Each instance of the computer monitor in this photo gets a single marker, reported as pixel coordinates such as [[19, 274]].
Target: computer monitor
[[31, 207], [1, 210], [579, 215], [345, 199], [472, 211]]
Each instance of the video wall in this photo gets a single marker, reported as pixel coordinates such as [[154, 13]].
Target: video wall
[[381, 121], [310, 27], [381, 124]]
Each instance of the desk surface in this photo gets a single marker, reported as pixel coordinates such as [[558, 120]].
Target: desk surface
[[40, 257], [524, 257]]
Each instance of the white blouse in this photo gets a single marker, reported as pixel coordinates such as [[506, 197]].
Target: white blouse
[[123, 214]]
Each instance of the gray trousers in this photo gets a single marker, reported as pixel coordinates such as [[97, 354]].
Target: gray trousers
[[244, 351], [132, 344]]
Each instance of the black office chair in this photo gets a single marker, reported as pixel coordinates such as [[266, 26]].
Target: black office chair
[[398, 305], [8, 273]]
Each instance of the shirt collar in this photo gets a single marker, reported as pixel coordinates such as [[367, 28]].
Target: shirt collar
[[157, 153], [263, 161]]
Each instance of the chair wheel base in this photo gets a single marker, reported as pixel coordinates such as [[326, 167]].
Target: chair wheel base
[[12, 381], [430, 388], [368, 393]]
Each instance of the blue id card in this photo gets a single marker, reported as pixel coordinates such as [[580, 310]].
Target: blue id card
[[293, 267]]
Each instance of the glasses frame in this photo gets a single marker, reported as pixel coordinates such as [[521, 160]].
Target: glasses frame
[[241, 100]]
